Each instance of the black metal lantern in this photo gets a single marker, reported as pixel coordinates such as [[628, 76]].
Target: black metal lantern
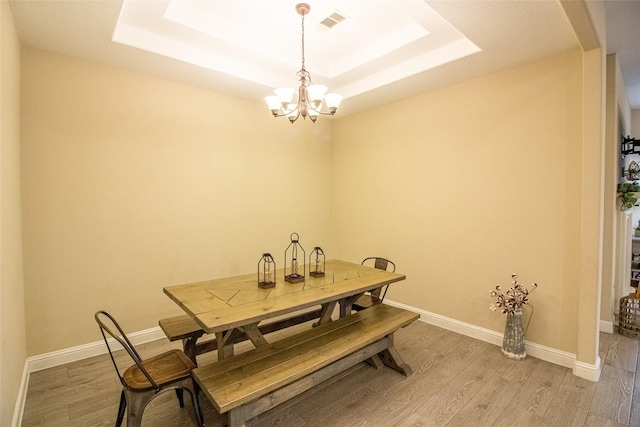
[[266, 272], [294, 275], [316, 262]]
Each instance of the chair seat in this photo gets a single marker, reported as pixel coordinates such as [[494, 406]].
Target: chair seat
[[164, 368], [374, 296], [366, 301]]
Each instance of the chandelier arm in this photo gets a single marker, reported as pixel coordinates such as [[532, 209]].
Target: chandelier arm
[[287, 114], [325, 113], [294, 118]]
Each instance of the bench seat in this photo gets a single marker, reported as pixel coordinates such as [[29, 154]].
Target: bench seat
[[251, 383], [180, 327]]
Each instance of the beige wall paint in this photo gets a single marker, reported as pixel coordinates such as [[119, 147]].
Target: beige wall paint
[[466, 185], [13, 341], [132, 183]]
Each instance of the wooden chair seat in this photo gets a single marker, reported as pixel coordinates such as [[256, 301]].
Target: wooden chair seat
[[374, 296], [366, 301], [164, 368]]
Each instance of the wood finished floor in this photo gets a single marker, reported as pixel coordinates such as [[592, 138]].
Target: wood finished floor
[[457, 381]]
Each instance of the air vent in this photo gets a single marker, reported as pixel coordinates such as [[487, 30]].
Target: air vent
[[332, 20]]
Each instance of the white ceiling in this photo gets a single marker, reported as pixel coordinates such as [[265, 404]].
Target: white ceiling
[[382, 52]]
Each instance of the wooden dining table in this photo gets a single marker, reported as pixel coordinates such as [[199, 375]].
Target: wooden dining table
[[223, 306]]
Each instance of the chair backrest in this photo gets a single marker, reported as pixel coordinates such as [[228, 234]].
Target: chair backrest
[[380, 263], [106, 322]]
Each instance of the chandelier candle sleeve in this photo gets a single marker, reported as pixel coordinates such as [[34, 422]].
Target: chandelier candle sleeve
[[310, 96]]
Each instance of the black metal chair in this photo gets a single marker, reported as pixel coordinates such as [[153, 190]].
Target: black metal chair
[[374, 296], [144, 380]]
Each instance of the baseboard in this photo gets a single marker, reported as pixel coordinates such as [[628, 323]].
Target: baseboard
[[549, 354], [586, 371], [21, 398], [60, 357], [606, 326]]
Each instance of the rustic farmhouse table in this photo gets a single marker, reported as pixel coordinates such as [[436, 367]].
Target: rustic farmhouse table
[[222, 306]]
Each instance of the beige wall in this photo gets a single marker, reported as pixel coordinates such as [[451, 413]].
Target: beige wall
[[466, 185], [13, 341], [131, 183]]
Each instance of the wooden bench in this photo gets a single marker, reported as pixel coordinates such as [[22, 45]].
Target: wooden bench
[[186, 329], [251, 383]]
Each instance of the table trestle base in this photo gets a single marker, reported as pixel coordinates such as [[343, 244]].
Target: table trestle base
[[186, 329]]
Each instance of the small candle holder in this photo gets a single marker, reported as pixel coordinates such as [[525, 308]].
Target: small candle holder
[[292, 252], [266, 272], [316, 262]]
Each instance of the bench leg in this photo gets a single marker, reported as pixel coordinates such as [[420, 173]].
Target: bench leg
[[392, 359], [375, 361], [237, 417]]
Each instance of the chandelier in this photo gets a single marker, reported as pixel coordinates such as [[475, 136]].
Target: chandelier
[[310, 96]]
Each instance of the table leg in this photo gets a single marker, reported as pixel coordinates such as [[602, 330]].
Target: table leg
[[254, 334], [189, 347], [327, 311], [225, 347], [347, 303]]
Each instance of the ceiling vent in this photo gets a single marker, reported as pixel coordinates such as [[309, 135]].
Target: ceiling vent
[[332, 20]]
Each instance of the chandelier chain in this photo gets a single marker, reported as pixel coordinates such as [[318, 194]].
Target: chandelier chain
[[303, 41]]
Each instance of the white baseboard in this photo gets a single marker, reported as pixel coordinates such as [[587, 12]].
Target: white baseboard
[[607, 326], [21, 398], [60, 357], [549, 354], [588, 372]]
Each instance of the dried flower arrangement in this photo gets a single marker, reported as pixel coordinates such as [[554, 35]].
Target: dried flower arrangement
[[514, 298]]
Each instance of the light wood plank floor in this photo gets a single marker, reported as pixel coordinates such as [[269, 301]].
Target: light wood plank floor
[[457, 381]]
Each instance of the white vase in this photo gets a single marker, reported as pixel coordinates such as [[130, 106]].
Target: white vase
[[513, 341]]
